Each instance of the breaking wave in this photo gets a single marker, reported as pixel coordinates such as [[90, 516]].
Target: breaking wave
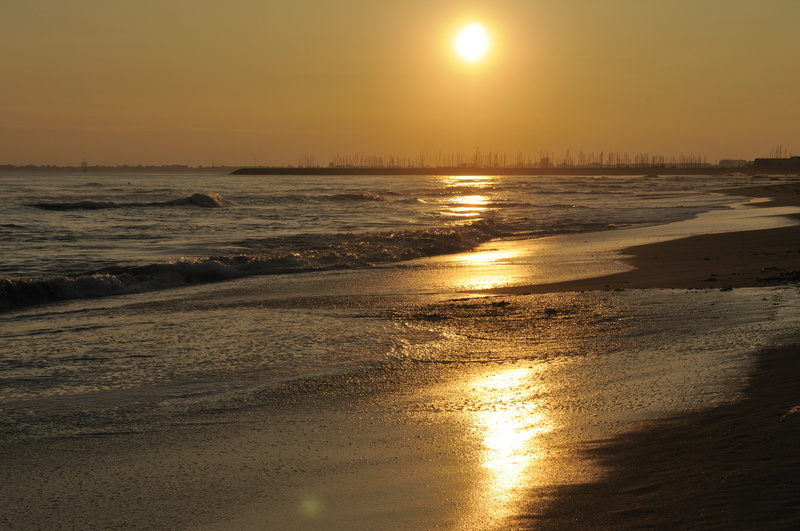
[[361, 196], [262, 257], [206, 200]]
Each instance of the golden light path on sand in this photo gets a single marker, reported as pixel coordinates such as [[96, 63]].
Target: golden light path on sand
[[506, 413], [485, 269], [509, 423]]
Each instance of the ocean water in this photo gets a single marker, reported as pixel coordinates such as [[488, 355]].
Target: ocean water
[[68, 236], [126, 294]]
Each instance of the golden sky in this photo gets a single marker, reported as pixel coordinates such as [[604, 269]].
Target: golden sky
[[204, 82]]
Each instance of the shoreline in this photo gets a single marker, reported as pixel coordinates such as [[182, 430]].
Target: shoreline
[[758, 258]]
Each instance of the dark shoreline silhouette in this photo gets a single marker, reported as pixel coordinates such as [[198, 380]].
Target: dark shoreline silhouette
[[647, 170]]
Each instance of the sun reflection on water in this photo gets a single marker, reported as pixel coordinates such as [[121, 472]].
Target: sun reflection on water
[[469, 205], [471, 200], [508, 422], [474, 181], [467, 200], [489, 257]]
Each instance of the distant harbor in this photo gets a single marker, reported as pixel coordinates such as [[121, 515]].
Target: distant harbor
[[547, 163], [472, 170]]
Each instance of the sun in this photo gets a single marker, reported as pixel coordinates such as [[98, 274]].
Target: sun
[[472, 42]]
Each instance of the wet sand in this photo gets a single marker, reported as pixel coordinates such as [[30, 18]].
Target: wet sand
[[729, 260], [392, 449], [735, 466], [312, 455]]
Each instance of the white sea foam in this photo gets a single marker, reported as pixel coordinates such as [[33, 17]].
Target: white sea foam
[[270, 256]]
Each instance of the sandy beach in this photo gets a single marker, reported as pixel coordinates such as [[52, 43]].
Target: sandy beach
[[413, 445]]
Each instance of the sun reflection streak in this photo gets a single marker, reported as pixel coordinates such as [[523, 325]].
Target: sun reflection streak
[[491, 257], [486, 269], [471, 200], [508, 421], [467, 199], [474, 181]]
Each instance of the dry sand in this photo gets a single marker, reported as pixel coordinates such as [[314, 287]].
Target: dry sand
[[339, 454]]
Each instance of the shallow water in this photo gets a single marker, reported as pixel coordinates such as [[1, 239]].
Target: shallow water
[[85, 367]]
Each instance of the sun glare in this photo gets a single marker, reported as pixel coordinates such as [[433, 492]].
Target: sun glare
[[472, 42]]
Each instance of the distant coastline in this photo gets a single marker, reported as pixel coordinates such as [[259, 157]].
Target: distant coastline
[[461, 170], [177, 168]]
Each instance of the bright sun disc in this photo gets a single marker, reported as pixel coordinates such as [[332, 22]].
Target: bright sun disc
[[472, 42]]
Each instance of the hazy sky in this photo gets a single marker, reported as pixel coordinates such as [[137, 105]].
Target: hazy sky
[[226, 82]]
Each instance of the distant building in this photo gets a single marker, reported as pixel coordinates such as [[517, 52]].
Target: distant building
[[791, 163], [732, 163]]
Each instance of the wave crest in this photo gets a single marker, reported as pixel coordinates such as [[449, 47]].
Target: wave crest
[[359, 196], [263, 257], [206, 200], [199, 199]]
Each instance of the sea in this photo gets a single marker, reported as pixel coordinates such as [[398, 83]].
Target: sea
[[127, 295]]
